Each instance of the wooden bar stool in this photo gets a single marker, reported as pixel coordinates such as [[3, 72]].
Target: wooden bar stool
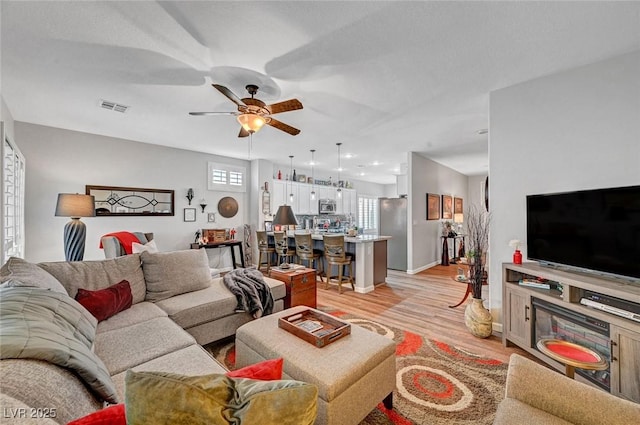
[[335, 255], [305, 252], [282, 247], [264, 248]]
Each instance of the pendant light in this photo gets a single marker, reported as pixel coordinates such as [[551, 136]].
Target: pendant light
[[313, 177], [291, 179], [339, 193]]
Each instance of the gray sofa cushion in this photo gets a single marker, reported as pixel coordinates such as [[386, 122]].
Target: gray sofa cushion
[[172, 273], [192, 360], [18, 272], [95, 275], [124, 348], [137, 313], [206, 305]]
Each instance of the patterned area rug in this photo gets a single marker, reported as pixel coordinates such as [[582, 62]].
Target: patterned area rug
[[436, 383]]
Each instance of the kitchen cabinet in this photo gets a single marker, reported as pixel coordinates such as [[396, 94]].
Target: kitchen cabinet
[[302, 203], [348, 203], [278, 195]]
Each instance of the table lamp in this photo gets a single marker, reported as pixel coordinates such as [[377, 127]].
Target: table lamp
[[75, 206], [285, 217]]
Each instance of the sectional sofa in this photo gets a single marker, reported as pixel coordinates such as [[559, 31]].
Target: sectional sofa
[[175, 308]]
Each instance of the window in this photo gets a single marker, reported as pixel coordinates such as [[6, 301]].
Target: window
[[225, 177], [13, 170], [368, 214]]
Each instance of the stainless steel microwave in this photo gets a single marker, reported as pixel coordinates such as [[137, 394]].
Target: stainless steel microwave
[[327, 206]]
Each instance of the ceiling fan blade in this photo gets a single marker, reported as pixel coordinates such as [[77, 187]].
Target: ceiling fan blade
[[243, 132], [229, 94], [213, 113], [282, 126], [285, 106]]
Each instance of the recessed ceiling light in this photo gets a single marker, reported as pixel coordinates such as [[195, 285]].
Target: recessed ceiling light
[[375, 163], [348, 155], [483, 131]]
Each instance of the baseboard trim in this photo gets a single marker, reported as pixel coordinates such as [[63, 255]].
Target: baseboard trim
[[419, 269]]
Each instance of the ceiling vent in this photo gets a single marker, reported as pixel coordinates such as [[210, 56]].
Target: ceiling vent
[[106, 104]]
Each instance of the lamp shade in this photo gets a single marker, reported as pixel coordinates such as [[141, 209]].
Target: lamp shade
[[251, 122], [285, 216], [75, 205]]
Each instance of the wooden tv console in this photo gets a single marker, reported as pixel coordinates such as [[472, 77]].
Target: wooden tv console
[[624, 334]]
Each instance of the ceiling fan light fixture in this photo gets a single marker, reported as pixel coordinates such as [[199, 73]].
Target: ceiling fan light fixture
[[251, 122]]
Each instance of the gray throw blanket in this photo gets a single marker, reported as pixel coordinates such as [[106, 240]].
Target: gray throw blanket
[[39, 324], [251, 291]]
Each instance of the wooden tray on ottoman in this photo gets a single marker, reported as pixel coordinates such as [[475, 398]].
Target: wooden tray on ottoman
[[315, 327]]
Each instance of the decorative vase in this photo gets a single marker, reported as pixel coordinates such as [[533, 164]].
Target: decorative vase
[[477, 318], [517, 257]]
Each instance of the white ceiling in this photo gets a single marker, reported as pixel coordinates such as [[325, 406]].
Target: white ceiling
[[383, 78]]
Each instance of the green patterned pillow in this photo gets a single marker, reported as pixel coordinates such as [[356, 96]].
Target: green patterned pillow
[[166, 398]]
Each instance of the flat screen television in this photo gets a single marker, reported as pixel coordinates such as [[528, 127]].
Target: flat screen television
[[591, 230]]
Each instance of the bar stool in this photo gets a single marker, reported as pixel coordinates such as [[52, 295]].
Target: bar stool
[[335, 255], [264, 248], [282, 247], [305, 252]]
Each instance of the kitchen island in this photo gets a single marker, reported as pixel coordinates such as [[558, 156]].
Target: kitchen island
[[369, 263]]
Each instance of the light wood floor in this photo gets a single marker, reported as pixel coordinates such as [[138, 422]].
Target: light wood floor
[[419, 303]]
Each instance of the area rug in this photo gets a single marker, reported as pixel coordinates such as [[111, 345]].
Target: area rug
[[436, 383]]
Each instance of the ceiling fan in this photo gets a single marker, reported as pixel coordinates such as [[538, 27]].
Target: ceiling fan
[[253, 113]]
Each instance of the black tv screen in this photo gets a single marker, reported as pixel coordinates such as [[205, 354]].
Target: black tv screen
[[597, 230]]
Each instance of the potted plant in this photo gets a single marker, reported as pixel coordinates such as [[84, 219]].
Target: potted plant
[[476, 316]]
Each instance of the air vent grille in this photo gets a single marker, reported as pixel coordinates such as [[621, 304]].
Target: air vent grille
[[113, 106]]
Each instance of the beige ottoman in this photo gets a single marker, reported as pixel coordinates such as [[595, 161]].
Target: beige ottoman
[[353, 374]]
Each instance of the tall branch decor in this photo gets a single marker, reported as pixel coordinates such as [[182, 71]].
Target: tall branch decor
[[476, 317]]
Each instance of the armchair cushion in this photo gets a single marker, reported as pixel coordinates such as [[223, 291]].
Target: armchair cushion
[[549, 391]]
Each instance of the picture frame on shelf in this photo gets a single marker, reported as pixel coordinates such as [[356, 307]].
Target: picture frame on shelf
[[433, 206], [458, 206], [268, 226], [189, 214], [447, 207], [302, 178]]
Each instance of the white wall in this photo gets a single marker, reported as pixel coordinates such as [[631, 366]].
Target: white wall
[[7, 119], [65, 161], [475, 195], [578, 129], [427, 176]]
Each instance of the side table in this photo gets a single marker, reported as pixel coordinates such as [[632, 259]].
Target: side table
[[301, 286]]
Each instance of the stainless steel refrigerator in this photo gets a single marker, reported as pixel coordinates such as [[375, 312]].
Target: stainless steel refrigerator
[[393, 222]]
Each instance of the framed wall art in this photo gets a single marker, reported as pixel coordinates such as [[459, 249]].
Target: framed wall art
[[189, 214], [457, 206], [268, 226], [447, 207], [131, 201], [433, 206]]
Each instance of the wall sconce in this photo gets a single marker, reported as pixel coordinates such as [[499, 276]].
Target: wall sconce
[[190, 195], [203, 204]]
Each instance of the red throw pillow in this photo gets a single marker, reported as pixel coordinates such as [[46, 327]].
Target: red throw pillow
[[268, 370], [112, 415], [105, 303]]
